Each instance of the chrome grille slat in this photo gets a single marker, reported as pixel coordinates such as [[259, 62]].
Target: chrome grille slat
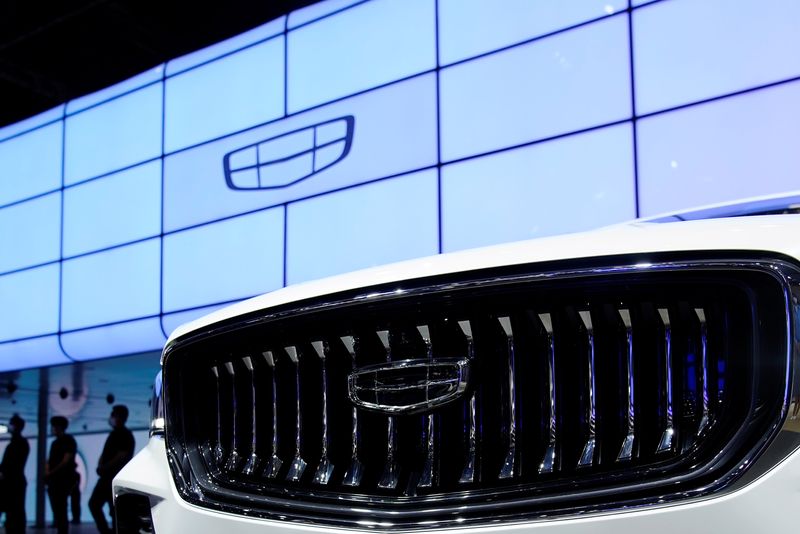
[[666, 442], [233, 458], [510, 461], [324, 470], [427, 478], [471, 438], [587, 457], [391, 475], [626, 451], [218, 452], [705, 415], [298, 465], [274, 463], [355, 471], [548, 462], [252, 460]]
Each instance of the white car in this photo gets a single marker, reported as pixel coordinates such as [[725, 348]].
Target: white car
[[637, 378]]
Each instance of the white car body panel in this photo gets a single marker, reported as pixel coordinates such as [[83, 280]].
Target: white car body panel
[[766, 504]]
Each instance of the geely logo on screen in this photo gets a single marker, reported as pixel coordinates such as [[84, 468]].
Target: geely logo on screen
[[289, 158], [408, 386]]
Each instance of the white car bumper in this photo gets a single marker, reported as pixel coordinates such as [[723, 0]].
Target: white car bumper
[[768, 504]]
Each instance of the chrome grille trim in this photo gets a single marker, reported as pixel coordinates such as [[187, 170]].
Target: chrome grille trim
[[416, 516], [587, 457], [626, 451], [666, 442]]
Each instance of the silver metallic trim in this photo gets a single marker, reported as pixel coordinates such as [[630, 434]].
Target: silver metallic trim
[[549, 460], [468, 474], [666, 443], [354, 473], [428, 476], [626, 450], [587, 455], [274, 463], [391, 475], [252, 460], [217, 451], [233, 458], [508, 470], [705, 418], [325, 468], [367, 387], [298, 465]]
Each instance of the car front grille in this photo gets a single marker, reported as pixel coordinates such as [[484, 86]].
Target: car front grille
[[483, 397]]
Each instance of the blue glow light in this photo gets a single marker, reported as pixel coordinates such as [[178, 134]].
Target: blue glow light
[[118, 209], [30, 303], [119, 133], [371, 225], [230, 260], [570, 184], [36, 352], [720, 151], [115, 285], [30, 231], [225, 96], [468, 28], [493, 102], [369, 45], [124, 338], [722, 48], [364, 155], [389, 138], [31, 163]]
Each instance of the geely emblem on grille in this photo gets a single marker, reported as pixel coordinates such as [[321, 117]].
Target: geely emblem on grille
[[408, 386]]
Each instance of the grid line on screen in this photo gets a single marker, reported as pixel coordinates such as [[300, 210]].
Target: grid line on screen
[[32, 129], [61, 236], [219, 57], [285, 67], [633, 119], [438, 132], [327, 15], [725, 96], [110, 323], [536, 38], [161, 234], [489, 53], [112, 98], [325, 193]]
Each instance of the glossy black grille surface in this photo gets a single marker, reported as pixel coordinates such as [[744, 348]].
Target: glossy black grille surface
[[585, 389]]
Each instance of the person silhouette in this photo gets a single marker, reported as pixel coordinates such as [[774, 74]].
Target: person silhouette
[[12, 476], [117, 451], [60, 471]]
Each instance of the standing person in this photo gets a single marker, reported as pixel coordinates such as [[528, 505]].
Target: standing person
[[117, 451], [12, 476], [60, 471], [75, 501]]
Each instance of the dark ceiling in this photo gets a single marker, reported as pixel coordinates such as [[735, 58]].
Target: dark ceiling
[[54, 50]]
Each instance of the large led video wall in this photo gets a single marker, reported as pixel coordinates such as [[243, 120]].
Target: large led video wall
[[355, 133]]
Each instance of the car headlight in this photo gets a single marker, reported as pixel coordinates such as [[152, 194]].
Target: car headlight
[[157, 405]]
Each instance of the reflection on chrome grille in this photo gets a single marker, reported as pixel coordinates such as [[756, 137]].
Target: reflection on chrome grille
[[520, 393]]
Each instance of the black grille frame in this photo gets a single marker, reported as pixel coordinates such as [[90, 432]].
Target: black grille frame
[[518, 500]]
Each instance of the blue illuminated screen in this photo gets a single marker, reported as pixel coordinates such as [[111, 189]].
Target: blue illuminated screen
[[350, 133]]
